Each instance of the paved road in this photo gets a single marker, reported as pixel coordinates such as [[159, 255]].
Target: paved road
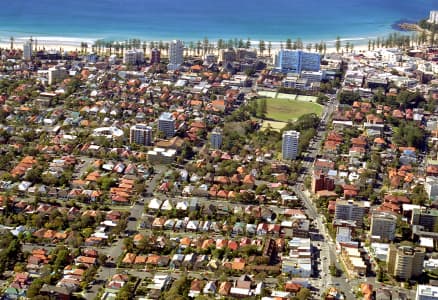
[[114, 251], [327, 246]]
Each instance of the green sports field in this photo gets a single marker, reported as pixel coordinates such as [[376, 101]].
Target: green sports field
[[284, 110]]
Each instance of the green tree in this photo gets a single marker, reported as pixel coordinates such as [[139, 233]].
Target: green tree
[[303, 294], [299, 43], [288, 43], [347, 46], [309, 47], [34, 288], [262, 47], [338, 44], [248, 43], [205, 45]]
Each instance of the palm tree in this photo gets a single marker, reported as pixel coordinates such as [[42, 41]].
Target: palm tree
[[269, 48], [324, 47], [12, 42]]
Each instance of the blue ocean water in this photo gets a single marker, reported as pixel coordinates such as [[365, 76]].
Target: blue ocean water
[[274, 20]]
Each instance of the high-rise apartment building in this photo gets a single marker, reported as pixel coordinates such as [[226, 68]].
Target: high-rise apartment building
[[350, 210], [155, 56], [227, 55], [426, 217], [56, 74], [383, 225], [176, 52], [295, 61], [433, 17], [405, 262], [290, 144], [216, 138], [140, 134], [133, 57], [27, 50], [166, 124]]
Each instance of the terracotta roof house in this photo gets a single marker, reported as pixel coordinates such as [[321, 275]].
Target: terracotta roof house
[[129, 258], [224, 288]]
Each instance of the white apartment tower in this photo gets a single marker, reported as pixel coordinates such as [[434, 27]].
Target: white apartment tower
[[433, 17], [27, 50], [133, 57], [140, 134], [176, 52], [57, 74], [290, 144], [166, 124]]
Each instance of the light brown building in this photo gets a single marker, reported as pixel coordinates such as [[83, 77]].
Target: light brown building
[[405, 262]]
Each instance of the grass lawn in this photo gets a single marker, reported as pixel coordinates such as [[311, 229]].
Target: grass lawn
[[284, 110], [275, 125]]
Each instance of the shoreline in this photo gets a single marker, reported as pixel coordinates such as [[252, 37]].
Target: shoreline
[[74, 44], [70, 43], [275, 48]]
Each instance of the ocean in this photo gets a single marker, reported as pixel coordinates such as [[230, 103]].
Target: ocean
[[192, 20]]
